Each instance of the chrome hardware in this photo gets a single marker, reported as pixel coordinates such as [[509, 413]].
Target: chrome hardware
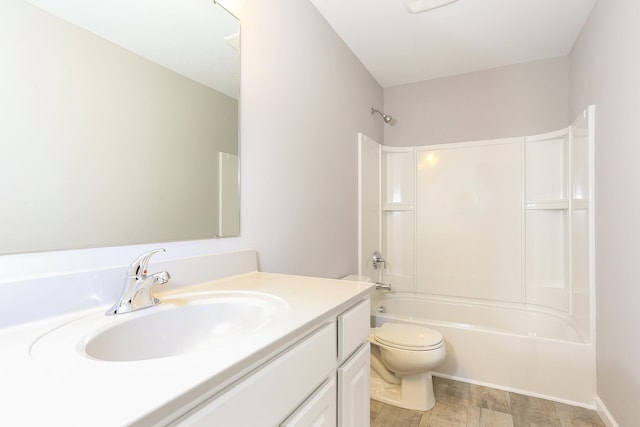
[[381, 309], [136, 292], [377, 259], [383, 286]]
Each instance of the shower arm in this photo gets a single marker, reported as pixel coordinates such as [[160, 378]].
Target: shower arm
[[386, 118]]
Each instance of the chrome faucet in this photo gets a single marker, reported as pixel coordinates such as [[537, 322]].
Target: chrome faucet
[[136, 292], [376, 260]]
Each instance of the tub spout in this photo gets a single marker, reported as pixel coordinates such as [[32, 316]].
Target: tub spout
[[384, 286]]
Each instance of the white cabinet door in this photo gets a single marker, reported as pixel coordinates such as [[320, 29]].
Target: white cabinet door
[[353, 390], [318, 411]]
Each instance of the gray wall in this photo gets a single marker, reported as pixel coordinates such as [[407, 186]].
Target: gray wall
[[605, 71], [307, 97], [516, 100]]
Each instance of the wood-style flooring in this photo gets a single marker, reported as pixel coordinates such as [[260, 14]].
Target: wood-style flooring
[[460, 404]]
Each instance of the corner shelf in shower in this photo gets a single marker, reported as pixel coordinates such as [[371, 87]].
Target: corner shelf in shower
[[580, 204], [560, 204], [391, 207]]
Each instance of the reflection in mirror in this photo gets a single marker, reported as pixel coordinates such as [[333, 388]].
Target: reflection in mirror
[[118, 123]]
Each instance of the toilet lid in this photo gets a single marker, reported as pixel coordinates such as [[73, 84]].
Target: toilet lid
[[408, 336]]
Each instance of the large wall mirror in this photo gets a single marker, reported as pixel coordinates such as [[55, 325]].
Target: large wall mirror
[[118, 123]]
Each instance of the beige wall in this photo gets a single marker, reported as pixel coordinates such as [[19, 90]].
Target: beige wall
[[605, 71], [516, 100]]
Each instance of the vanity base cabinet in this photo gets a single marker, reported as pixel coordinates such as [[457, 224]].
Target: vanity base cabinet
[[268, 396], [320, 381]]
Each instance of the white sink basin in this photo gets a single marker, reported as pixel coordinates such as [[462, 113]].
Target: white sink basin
[[181, 324]]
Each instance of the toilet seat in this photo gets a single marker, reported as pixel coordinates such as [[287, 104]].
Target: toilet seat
[[408, 337]]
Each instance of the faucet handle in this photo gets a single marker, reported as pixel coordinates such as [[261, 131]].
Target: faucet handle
[[376, 260], [138, 267]]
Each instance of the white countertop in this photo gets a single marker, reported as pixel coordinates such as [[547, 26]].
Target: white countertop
[[71, 389]]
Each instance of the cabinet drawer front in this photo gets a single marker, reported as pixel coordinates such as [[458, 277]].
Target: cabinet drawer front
[[319, 410], [266, 397], [353, 328]]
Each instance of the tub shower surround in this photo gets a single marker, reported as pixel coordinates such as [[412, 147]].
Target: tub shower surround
[[490, 243]]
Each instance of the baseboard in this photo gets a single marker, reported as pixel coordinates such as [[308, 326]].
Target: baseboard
[[604, 413], [519, 391]]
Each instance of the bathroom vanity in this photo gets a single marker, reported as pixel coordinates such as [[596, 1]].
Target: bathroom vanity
[[315, 381], [303, 360]]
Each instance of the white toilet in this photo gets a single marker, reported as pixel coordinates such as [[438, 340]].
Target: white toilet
[[402, 357]]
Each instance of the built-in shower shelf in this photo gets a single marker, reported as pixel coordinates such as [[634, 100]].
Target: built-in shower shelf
[[576, 204], [389, 207], [548, 204], [580, 204]]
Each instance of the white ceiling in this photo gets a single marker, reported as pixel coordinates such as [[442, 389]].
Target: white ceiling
[[398, 47]]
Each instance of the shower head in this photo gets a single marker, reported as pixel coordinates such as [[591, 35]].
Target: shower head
[[386, 118]]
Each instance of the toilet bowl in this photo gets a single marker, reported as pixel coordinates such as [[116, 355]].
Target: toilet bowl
[[402, 357]]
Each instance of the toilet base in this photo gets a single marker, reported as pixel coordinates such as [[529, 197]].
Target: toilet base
[[414, 392]]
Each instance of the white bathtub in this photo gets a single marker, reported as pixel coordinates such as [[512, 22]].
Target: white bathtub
[[531, 352]]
